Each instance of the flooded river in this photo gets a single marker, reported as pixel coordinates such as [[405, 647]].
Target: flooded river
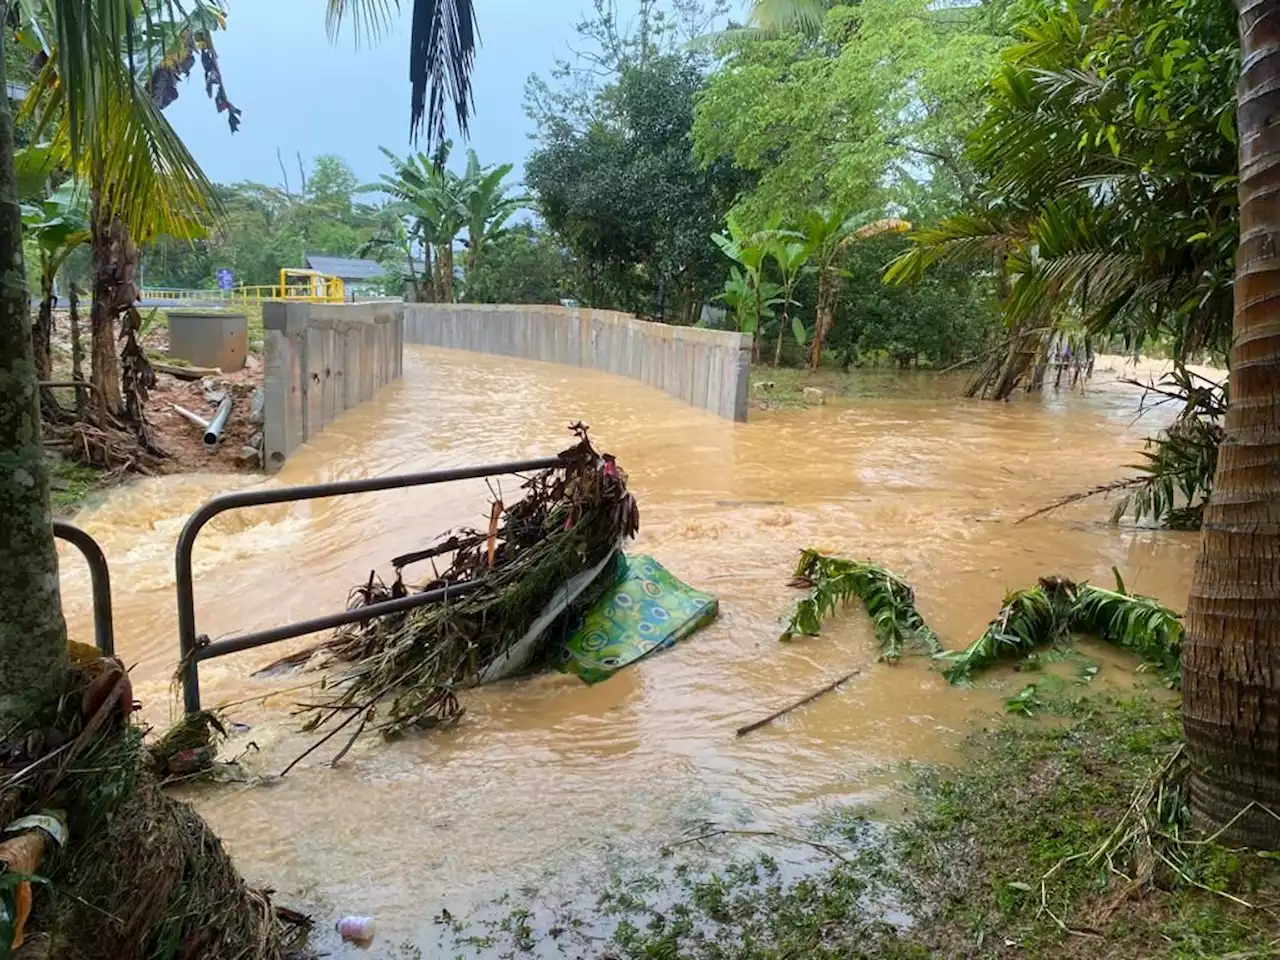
[[547, 776]]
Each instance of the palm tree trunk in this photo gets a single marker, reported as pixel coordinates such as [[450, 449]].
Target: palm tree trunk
[[1231, 656], [104, 369], [33, 635], [42, 332]]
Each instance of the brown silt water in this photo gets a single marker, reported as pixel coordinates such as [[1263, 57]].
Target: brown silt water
[[546, 776]]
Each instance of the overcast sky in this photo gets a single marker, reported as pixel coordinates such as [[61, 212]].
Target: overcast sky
[[301, 93]]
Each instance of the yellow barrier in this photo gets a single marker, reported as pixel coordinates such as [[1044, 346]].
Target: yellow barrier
[[307, 293]]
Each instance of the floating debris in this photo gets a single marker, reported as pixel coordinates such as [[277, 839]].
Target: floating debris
[[1047, 613], [536, 556]]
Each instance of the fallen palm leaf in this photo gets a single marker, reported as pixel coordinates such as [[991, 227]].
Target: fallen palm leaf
[[1047, 613], [833, 581]]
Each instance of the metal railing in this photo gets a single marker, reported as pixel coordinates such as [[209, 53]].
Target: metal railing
[[100, 577], [196, 648], [303, 293]]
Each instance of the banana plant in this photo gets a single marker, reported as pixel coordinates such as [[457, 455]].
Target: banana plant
[[791, 253], [59, 225], [750, 251], [488, 206], [750, 302]]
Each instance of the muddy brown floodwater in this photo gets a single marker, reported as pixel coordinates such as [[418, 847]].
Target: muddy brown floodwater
[[546, 776]]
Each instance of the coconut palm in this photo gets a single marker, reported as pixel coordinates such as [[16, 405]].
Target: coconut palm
[[1231, 655], [106, 125], [442, 50]]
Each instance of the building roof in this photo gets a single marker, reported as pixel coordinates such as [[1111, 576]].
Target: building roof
[[346, 267]]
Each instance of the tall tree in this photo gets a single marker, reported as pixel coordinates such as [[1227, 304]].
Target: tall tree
[[33, 645], [1231, 656]]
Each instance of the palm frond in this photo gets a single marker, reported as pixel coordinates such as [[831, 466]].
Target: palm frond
[[771, 18], [1047, 613], [1141, 625], [963, 237], [889, 600], [442, 53], [1028, 619]]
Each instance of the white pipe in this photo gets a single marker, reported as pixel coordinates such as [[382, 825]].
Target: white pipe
[[195, 418]]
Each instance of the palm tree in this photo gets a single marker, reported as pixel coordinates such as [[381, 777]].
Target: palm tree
[[442, 51], [108, 129], [1231, 655]]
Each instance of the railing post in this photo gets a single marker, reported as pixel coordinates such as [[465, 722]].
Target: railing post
[[99, 578]]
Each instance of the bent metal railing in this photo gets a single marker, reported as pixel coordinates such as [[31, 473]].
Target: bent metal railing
[[99, 577], [196, 648]]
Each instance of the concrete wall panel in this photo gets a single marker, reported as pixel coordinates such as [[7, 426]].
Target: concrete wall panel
[[706, 368], [321, 360]]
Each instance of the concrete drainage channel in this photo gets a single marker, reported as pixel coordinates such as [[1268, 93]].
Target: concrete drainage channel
[[324, 359]]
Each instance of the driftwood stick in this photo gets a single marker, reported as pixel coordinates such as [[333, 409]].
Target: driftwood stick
[[743, 731]]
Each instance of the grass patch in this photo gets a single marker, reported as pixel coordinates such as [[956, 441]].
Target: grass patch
[[71, 484], [1017, 853]]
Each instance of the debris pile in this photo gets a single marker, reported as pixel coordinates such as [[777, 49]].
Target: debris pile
[[539, 558], [134, 872]]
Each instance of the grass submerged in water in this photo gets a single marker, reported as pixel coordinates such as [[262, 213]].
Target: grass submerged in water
[[1030, 849]]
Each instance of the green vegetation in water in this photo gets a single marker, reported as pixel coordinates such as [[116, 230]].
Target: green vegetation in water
[[889, 600], [71, 484], [1061, 838], [1048, 613]]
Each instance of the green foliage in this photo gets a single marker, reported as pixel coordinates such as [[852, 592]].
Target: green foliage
[[950, 315], [1047, 613], [267, 228], [58, 224], [524, 265], [860, 114], [1179, 465], [1028, 619], [889, 600], [614, 171], [1109, 162], [1138, 624]]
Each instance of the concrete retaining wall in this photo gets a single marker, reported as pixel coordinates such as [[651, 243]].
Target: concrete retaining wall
[[323, 359], [707, 368]]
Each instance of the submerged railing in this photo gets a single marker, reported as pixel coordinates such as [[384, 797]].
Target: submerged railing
[[196, 648], [99, 577]]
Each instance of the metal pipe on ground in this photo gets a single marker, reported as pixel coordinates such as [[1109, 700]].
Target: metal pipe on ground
[[195, 418], [219, 422]]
